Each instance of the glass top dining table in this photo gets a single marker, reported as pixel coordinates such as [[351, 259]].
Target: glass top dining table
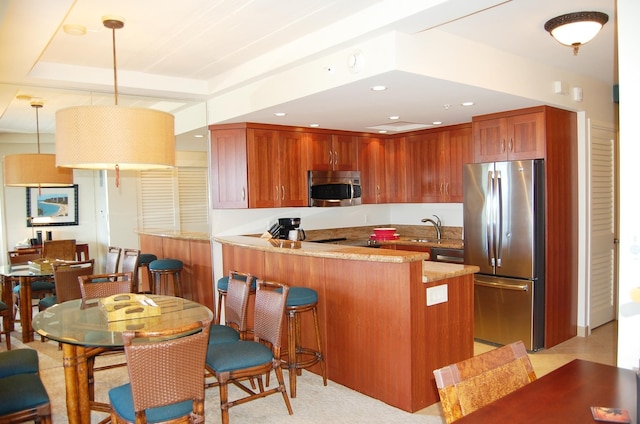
[[84, 331]]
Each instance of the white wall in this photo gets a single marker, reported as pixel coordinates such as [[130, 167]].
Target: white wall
[[629, 69]]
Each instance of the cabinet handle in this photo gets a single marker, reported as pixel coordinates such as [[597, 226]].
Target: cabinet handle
[[335, 158], [330, 157], [244, 193], [446, 189], [283, 192], [502, 145], [511, 145], [378, 189], [441, 187], [277, 192]]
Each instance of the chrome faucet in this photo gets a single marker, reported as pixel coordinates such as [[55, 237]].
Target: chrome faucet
[[437, 223]]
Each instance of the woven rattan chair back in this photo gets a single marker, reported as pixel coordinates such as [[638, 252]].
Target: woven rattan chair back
[[23, 256], [269, 313], [237, 302], [130, 263], [65, 276], [113, 260], [96, 286], [470, 384], [59, 249], [168, 369]]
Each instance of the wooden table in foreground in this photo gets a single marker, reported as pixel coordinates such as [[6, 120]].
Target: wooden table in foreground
[[84, 332], [565, 395]]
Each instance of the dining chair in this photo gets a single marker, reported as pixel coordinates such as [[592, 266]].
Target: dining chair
[[475, 382], [65, 277], [59, 249], [39, 288], [23, 397], [93, 287], [130, 263], [236, 310], [248, 359], [165, 373], [113, 259]]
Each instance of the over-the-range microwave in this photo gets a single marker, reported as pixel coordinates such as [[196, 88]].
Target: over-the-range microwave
[[334, 188]]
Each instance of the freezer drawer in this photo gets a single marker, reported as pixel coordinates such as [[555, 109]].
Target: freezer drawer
[[504, 311]]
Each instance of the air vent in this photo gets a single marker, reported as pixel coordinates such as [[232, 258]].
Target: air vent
[[399, 126]]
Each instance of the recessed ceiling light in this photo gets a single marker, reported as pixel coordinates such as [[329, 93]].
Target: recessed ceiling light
[[382, 131], [73, 29], [467, 104], [394, 117], [437, 122], [279, 114], [198, 136], [379, 87], [314, 125]]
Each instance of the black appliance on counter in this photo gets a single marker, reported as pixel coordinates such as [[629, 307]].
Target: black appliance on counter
[[287, 224]]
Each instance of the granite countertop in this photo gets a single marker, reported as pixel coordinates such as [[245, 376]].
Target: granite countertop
[[432, 271]]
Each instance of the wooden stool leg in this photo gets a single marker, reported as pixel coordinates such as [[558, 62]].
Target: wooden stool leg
[[177, 286], [319, 341], [292, 348]]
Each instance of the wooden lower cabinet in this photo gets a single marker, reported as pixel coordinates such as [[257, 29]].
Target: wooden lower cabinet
[[379, 337], [197, 274]]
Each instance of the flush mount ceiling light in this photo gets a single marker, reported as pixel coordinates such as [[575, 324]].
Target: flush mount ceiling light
[[114, 137], [35, 169], [576, 29]]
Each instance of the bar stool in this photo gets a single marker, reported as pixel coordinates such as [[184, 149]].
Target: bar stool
[[300, 300], [162, 269], [223, 285], [143, 262]]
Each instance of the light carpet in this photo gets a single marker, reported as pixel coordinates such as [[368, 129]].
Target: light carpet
[[314, 403]]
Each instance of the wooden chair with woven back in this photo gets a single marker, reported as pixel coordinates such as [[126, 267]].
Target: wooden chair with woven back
[[165, 374], [475, 382], [113, 259], [235, 362], [92, 288], [39, 288], [130, 263], [59, 249]]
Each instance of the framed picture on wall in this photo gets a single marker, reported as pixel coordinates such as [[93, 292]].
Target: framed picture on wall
[[50, 206]]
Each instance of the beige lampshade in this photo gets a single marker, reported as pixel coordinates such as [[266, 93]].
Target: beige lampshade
[[110, 137], [35, 170]]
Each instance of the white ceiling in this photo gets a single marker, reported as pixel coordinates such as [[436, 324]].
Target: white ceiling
[[174, 55]]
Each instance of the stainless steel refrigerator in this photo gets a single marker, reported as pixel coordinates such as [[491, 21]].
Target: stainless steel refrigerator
[[504, 236]]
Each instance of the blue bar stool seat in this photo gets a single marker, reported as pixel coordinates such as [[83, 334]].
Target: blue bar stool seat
[[162, 269], [143, 262]]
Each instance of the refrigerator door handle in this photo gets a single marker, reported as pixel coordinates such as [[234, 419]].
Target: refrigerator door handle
[[499, 205], [497, 285], [489, 205]]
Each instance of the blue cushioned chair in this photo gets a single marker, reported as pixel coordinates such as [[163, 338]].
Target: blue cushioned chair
[[233, 362], [22, 395], [238, 287], [166, 376]]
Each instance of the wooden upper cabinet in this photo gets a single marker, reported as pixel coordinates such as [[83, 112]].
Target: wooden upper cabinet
[[395, 170], [457, 151], [509, 136], [277, 168], [257, 167], [332, 152], [229, 168], [371, 161]]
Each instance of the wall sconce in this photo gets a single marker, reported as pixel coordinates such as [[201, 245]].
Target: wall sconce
[[576, 29]]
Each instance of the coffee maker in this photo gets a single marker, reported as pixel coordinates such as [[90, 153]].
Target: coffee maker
[[287, 224]]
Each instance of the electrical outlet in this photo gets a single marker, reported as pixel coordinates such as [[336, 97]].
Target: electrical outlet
[[437, 294]]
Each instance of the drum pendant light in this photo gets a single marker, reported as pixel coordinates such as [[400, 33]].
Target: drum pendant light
[[114, 137], [576, 29], [35, 169]]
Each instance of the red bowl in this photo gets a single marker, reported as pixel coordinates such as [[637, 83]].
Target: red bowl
[[384, 233]]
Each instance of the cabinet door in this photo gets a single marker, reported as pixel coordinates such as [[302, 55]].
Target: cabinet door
[[424, 167], [292, 169], [395, 170], [526, 136], [458, 149], [320, 151], [263, 159], [490, 140], [371, 166], [229, 168], [345, 152]]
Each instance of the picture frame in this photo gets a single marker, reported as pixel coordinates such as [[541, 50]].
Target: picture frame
[[52, 206]]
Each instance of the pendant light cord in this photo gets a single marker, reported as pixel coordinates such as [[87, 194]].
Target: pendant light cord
[[115, 72]]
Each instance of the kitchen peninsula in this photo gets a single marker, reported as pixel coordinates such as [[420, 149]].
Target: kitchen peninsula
[[382, 335]]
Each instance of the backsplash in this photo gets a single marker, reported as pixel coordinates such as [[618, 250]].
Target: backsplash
[[363, 233]]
